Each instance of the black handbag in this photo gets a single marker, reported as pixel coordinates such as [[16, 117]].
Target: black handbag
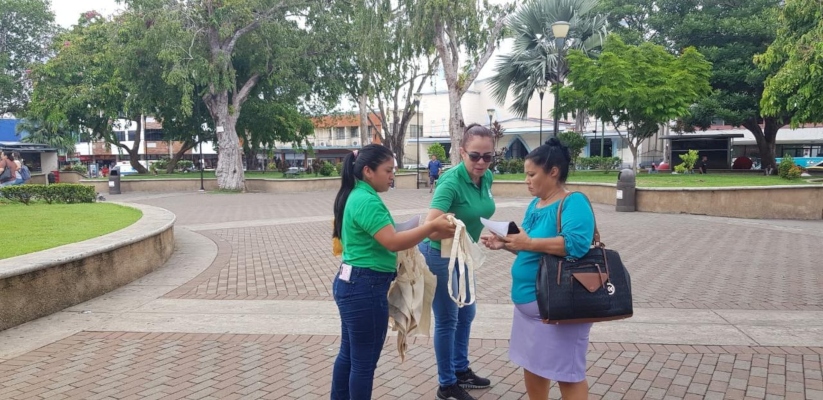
[[594, 288]]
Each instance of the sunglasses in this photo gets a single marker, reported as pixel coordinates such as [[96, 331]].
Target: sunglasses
[[475, 157]]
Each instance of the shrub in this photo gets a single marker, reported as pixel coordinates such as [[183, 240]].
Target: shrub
[[76, 167], [597, 162], [438, 150], [516, 166], [338, 168], [58, 193], [161, 164], [680, 169], [327, 169], [185, 165], [689, 159], [784, 169]]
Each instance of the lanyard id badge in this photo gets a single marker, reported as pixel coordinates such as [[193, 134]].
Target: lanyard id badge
[[345, 272]]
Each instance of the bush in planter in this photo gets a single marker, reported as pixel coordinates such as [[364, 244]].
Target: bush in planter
[[339, 168], [58, 193], [327, 169], [787, 169]]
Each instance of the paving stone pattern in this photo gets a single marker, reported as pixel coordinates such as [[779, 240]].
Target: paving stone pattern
[[118, 365], [678, 261]]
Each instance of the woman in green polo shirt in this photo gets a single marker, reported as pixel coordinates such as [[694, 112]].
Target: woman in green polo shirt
[[465, 191], [366, 230]]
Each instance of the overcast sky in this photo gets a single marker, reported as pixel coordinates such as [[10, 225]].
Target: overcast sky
[[66, 12]]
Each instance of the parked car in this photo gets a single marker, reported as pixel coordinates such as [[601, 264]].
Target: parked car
[[124, 169]]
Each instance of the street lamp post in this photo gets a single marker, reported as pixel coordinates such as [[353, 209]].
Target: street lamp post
[[560, 29], [490, 111], [417, 97], [202, 189], [541, 90]]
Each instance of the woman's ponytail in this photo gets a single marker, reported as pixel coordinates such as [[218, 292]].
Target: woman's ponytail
[[369, 156], [347, 182]]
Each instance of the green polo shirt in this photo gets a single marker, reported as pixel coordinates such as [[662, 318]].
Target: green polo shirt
[[364, 216], [457, 194]]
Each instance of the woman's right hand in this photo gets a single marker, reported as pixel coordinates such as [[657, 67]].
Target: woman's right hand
[[442, 226], [492, 242]]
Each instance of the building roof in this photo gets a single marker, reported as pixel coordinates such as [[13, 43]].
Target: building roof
[[689, 136], [343, 120], [26, 147]]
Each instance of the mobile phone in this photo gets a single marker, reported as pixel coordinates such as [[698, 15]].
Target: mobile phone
[[513, 229]]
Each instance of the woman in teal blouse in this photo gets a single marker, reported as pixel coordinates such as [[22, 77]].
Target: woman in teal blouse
[[547, 352]]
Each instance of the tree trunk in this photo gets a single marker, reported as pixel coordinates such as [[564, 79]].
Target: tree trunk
[[365, 134], [187, 145], [633, 147], [765, 140], [456, 126], [229, 169], [134, 151]]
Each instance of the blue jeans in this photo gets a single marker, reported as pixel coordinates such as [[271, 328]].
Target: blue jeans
[[452, 325], [364, 316]]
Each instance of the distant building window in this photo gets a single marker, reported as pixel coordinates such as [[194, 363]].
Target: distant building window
[[415, 131], [718, 121], [154, 135], [124, 136], [330, 134], [355, 132], [340, 133]]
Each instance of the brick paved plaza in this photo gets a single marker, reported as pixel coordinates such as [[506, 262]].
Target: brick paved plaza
[[725, 308]]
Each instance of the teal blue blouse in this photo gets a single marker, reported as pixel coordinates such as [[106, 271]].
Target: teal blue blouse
[[577, 229]]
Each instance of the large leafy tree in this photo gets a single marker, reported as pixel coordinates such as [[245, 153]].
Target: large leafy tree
[[636, 88], [26, 28], [458, 28], [535, 59], [795, 63], [729, 33], [87, 84], [230, 48], [390, 62]]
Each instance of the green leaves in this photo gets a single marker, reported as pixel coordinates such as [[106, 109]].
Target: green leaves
[[25, 27], [794, 62], [637, 86], [534, 60]]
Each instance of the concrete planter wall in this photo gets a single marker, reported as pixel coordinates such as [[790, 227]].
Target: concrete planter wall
[[762, 202], [42, 283], [288, 185]]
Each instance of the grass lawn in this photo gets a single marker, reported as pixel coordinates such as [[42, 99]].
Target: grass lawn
[[669, 180], [43, 226]]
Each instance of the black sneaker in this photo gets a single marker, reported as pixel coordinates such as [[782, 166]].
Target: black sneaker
[[468, 380], [453, 392]]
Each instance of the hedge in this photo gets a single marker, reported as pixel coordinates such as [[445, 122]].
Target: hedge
[[57, 193]]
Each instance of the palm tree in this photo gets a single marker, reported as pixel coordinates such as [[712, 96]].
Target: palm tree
[[55, 135], [533, 62]]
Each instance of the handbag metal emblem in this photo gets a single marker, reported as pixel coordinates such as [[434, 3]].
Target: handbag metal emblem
[[609, 288]]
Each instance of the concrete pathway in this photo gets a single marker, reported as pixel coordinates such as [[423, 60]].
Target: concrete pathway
[[242, 310]]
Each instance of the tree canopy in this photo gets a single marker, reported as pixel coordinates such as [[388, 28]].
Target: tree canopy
[[636, 87], [795, 62], [26, 28], [729, 33], [535, 60]]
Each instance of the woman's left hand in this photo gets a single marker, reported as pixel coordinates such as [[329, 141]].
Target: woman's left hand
[[518, 242]]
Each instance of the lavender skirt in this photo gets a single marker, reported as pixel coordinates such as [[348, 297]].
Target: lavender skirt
[[555, 352]]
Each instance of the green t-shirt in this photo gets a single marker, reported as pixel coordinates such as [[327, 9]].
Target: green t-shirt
[[364, 216], [457, 194]]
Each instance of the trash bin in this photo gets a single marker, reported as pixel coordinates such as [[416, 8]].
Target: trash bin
[[626, 185], [54, 177], [114, 182]]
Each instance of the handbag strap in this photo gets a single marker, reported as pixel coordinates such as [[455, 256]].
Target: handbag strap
[[596, 240]]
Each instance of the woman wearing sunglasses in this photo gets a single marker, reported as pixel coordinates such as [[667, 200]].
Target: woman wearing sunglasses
[[465, 191]]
